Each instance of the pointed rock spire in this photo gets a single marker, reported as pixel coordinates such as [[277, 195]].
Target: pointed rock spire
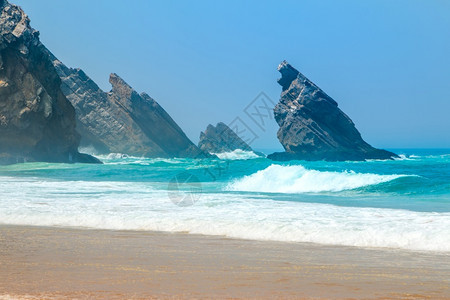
[[312, 127]]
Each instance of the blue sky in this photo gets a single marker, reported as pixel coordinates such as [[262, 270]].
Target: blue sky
[[387, 63]]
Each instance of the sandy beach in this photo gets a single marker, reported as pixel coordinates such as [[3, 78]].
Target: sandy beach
[[49, 263]]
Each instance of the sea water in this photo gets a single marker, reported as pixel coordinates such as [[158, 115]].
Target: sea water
[[398, 204]]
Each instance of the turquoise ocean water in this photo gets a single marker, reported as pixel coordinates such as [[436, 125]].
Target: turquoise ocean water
[[399, 204]]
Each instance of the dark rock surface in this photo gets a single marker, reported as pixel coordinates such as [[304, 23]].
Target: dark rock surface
[[37, 122], [221, 139], [312, 127], [122, 121]]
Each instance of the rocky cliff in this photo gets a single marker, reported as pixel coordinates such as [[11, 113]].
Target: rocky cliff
[[312, 127], [221, 139], [122, 120], [37, 122]]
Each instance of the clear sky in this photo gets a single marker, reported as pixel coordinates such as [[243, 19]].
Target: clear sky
[[387, 63]]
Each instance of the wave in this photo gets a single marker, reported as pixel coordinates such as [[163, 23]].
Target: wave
[[406, 157], [297, 179], [88, 150], [237, 154], [117, 156], [230, 215], [120, 197], [145, 206], [125, 159]]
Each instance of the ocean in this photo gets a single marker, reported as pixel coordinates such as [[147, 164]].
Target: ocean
[[398, 204]]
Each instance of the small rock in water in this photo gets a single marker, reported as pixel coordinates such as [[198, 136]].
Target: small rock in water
[[220, 139]]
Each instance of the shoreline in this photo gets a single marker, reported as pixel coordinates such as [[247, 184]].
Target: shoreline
[[54, 262], [223, 237]]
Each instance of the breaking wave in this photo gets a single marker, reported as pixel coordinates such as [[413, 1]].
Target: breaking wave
[[237, 155], [297, 179]]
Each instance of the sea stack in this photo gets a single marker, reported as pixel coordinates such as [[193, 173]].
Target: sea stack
[[37, 122], [312, 127], [220, 139], [122, 121]]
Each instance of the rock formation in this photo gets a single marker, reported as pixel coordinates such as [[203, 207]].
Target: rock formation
[[221, 139], [122, 121], [37, 122], [312, 127]]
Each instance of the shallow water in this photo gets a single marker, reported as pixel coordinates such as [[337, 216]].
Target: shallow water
[[402, 204]]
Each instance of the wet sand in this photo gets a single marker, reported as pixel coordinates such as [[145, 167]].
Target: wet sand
[[49, 263]]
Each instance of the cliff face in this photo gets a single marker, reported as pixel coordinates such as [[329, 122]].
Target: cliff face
[[312, 127], [122, 120], [37, 123], [221, 139]]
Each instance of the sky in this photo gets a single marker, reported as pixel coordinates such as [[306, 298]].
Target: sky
[[387, 63]]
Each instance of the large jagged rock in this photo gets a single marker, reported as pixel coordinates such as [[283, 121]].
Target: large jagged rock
[[312, 127], [122, 121], [37, 122], [220, 139]]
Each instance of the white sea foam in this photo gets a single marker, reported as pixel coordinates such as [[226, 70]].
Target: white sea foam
[[237, 154], [88, 150], [146, 206], [405, 157], [117, 156], [297, 179], [125, 159]]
